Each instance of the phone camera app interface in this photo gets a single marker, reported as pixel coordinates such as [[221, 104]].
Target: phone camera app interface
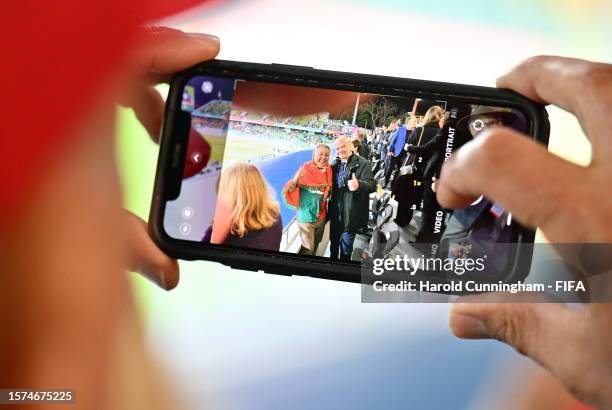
[[329, 174]]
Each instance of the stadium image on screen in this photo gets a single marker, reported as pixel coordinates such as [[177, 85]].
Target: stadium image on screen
[[350, 184]]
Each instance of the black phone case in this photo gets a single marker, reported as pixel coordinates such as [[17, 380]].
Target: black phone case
[[290, 264]]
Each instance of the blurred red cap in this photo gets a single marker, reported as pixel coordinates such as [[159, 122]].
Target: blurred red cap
[[57, 55]]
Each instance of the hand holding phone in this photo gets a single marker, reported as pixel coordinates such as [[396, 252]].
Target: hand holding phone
[[165, 51], [553, 334]]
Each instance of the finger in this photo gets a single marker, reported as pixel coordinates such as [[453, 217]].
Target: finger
[[354, 176], [546, 332], [166, 51], [146, 258], [148, 106], [521, 175], [581, 87]]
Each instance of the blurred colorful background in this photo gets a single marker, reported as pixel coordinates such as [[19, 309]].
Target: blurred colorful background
[[242, 340]]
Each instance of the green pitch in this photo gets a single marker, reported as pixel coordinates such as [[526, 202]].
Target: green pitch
[[217, 146], [241, 148]]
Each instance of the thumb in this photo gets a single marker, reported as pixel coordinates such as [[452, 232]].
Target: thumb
[[543, 331], [354, 177]]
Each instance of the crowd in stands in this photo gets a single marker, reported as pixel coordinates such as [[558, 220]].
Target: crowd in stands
[[314, 121], [214, 108], [204, 122], [302, 138], [409, 142]]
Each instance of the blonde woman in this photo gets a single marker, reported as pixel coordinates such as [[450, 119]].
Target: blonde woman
[[433, 116], [246, 215]]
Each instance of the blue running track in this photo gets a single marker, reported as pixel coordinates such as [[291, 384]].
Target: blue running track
[[277, 171]]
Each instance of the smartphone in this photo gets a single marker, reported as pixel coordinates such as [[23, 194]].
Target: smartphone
[[296, 171]]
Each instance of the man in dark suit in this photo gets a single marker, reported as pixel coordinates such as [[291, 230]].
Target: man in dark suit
[[353, 182]]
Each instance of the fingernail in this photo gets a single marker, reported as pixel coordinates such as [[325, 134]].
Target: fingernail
[[468, 327], [161, 277], [204, 36]]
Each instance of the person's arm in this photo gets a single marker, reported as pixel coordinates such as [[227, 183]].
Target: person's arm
[[427, 148], [294, 182], [70, 317], [568, 202], [392, 143]]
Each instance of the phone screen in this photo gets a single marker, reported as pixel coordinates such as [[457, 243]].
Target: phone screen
[[270, 168]]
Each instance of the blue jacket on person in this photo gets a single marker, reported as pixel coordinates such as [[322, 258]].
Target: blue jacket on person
[[398, 139]]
